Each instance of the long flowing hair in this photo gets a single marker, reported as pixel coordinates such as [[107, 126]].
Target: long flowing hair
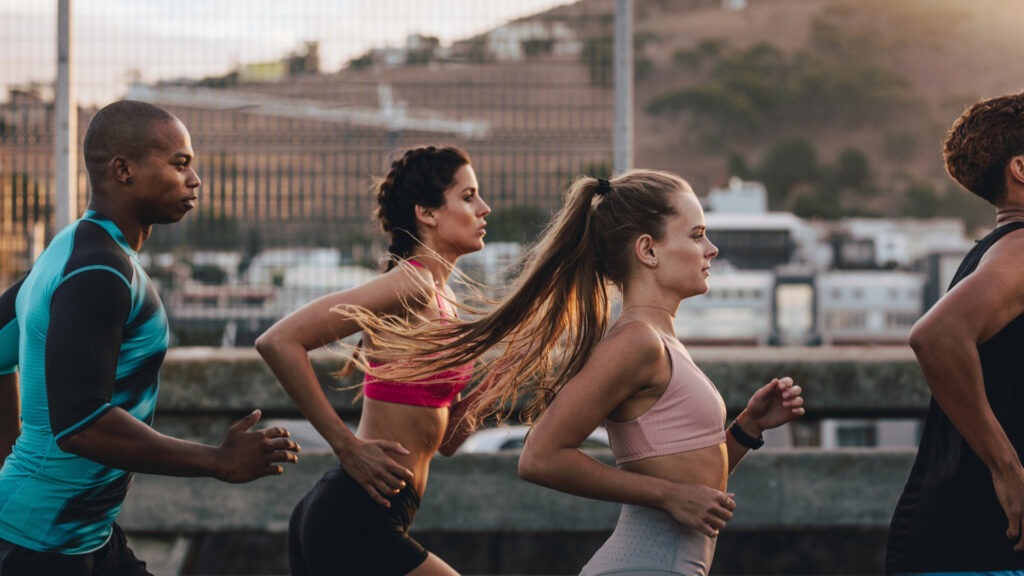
[[537, 337]]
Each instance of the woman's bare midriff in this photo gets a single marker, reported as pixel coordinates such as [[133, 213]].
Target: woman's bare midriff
[[419, 429], [708, 466]]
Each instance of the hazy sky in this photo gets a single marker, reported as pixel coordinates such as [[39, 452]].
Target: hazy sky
[[153, 39]]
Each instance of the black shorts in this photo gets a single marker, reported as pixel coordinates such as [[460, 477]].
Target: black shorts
[[115, 558], [338, 530]]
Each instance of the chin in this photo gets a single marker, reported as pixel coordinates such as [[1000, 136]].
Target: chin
[[173, 219]]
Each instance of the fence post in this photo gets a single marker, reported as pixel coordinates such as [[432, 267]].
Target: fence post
[[623, 55], [66, 110]]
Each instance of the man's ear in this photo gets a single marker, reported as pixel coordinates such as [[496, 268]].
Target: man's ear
[[426, 215], [121, 169], [645, 250], [1016, 169]]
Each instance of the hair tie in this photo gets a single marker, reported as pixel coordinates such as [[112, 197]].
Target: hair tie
[[603, 187]]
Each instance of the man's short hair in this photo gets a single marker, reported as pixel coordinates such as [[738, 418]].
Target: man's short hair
[[123, 128]]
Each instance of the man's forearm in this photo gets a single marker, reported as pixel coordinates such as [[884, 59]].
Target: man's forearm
[[119, 440]]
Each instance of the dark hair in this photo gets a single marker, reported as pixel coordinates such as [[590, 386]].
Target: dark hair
[[982, 141], [123, 128], [418, 178]]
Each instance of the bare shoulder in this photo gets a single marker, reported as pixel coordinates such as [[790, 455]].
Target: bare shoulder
[[409, 281], [397, 291], [984, 302], [1008, 251], [403, 288], [629, 360], [638, 330], [632, 346], [1001, 269]]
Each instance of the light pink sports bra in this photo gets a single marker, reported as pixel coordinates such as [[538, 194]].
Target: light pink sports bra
[[435, 391], [689, 415]]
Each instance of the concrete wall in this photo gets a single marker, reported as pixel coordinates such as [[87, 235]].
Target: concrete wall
[[800, 511]]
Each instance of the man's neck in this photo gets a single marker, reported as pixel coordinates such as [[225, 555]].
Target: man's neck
[[135, 234]]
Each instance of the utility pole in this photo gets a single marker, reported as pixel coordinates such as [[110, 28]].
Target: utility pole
[[66, 110], [622, 140]]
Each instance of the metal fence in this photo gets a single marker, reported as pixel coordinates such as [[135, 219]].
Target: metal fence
[[293, 109]]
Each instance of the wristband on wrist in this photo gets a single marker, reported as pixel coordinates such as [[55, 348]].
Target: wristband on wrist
[[744, 439]]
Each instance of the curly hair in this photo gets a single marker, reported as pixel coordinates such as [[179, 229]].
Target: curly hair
[[982, 141], [418, 178]]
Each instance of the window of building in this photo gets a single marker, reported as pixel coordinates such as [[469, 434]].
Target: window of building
[[856, 435]]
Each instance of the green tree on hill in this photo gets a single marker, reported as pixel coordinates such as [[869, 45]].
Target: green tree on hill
[[841, 80]]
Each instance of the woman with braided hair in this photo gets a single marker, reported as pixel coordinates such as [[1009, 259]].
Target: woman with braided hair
[[554, 342], [356, 519]]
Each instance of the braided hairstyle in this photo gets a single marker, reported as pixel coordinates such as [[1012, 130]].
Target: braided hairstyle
[[418, 178]]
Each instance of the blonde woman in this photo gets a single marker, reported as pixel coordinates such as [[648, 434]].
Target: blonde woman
[[644, 233]]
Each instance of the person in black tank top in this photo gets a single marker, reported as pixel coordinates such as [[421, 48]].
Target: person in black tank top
[[962, 508]]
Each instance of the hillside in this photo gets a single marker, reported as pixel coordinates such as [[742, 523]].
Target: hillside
[[940, 55], [839, 106]]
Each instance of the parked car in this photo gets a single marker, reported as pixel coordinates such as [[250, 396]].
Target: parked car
[[302, 432], [504, 438]]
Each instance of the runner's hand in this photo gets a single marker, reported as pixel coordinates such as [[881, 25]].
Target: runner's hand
[[246, 455], [700, 507], [1010, 491], [368, 463]]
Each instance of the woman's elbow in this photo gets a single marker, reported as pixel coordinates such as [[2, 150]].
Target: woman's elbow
[[267, 343], [262, 344], [531, 467]]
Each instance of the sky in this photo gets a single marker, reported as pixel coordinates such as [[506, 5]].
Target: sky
[[118, 40]]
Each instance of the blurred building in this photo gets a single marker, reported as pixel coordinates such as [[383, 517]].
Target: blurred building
[[867, 307]]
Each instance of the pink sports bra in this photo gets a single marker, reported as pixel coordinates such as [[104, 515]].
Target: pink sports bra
[[689, 415], [436, 391]]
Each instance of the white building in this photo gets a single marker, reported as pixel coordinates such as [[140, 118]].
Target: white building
[[870, 433], [740, 197], [760, 241], [494, 265], [304, 283], [507, 43], [868, 306], [270, 267], [227, 261], [736, 310], [898, 242]]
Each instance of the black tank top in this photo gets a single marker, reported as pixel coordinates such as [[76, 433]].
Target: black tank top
[[948, 517]]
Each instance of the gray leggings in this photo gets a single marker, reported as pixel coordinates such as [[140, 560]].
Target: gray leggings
[[649, 542]]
